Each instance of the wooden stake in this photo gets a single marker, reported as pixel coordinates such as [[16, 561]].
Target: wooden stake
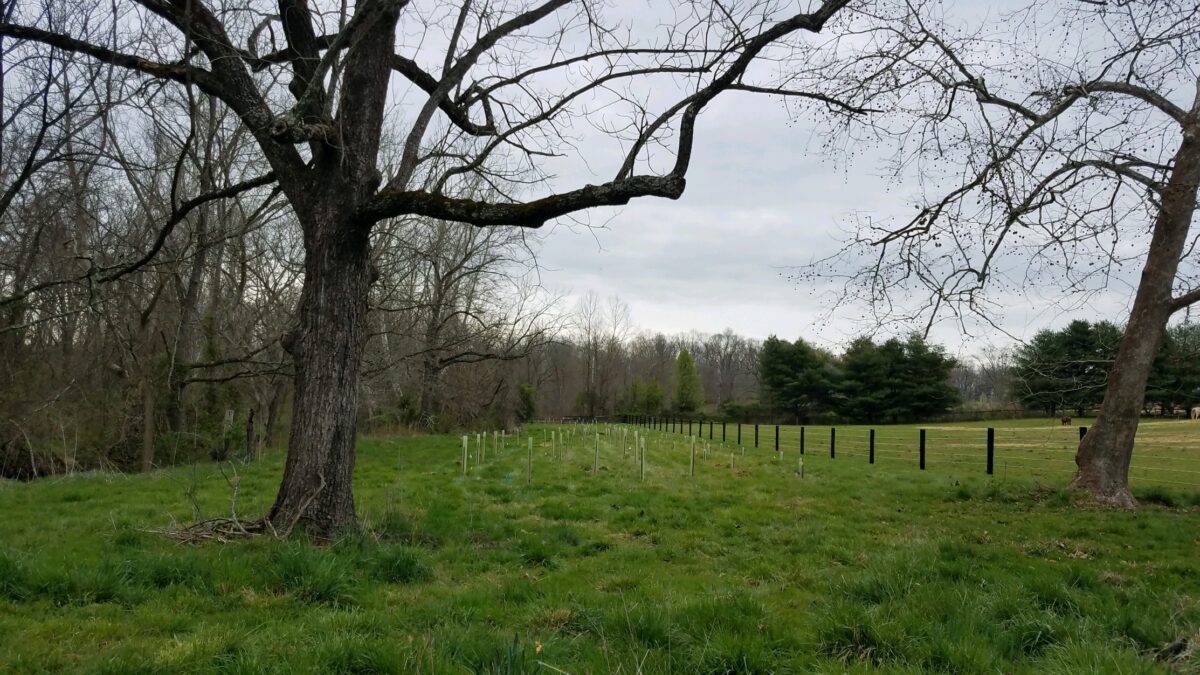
[[529, 464], [464, 455]]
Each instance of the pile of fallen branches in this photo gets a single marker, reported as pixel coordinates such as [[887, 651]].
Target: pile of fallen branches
[[215, 529], [225, 529]]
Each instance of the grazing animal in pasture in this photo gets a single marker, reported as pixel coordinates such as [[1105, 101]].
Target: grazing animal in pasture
[[1195, 412], [1066, 419]]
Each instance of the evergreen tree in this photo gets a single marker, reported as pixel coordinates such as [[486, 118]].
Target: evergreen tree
[[897, 381], [1175, 379], [1066, 370], [795, 378], [526, 402], [924, 380], [689, 395], [860, 393]]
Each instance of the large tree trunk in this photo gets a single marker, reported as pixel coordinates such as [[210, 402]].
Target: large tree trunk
[[1104, 453], [327, 344], [327, 349]]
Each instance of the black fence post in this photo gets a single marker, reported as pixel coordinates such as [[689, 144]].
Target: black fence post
[[872, 455], [777, 438], [922, 449], [832, 442], [1082, 432], [722, 432], [991, 450], [739, 434], [756, 435], [710, 430], [802, 440]]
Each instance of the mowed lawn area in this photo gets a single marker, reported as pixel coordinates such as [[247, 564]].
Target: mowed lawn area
[[744, 567]]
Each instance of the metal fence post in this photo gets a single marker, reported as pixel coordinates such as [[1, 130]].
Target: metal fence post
[[922, 449], [872, 458], [991, 450]]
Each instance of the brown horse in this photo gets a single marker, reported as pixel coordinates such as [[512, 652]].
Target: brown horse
[[1066, 419]]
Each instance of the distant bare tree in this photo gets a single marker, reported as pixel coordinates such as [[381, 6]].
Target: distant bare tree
[[505, 97], [454, 295], [1077, 126]]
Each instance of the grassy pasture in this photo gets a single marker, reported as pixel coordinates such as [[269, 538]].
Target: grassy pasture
[[1167, 455], [743, 568]]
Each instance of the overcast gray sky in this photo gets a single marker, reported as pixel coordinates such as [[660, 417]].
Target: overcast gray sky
[[764, 196], [760, 198]]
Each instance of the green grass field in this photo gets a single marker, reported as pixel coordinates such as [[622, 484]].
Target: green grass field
[[744, 567], [1168, 451]]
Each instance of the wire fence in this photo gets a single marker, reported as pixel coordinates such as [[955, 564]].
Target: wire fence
[[1166, 453]]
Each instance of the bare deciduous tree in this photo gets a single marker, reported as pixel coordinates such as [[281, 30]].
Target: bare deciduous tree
[[1078, 125], [502, 102]]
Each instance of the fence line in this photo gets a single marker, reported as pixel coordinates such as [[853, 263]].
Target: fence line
[[1051, 449], [1032, 451]]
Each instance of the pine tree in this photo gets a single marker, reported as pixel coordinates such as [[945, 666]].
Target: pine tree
[[689, 394]]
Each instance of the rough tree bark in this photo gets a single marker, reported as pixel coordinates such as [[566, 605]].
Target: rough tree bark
[[327, 344], [326, 349], [1104, 453]]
